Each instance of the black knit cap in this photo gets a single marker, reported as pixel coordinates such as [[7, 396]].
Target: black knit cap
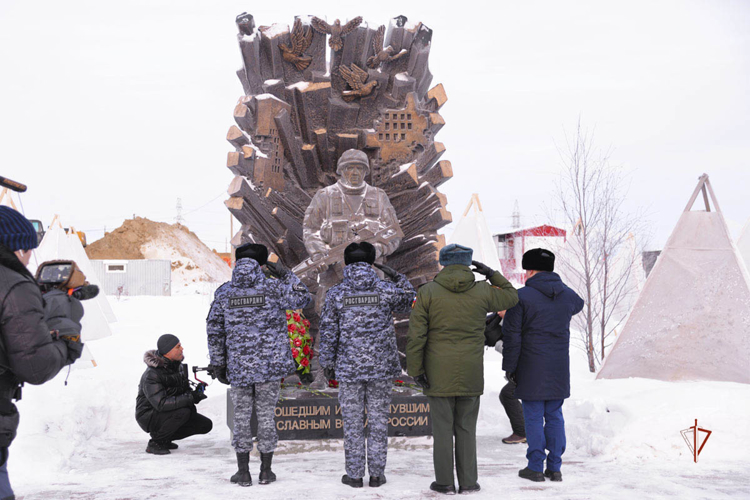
[[538, 259], [16, 232], [252, 251], [166, 343], [359, 252]]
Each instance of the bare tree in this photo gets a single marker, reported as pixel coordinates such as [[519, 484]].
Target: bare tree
[[601, 256]]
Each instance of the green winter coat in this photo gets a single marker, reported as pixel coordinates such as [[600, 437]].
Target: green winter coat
[[446, 329]]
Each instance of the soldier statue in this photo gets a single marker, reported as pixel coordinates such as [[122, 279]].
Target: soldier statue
[[349, 210]]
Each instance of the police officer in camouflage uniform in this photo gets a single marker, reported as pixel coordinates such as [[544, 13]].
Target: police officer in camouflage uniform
[[358, 348], [249, 349]]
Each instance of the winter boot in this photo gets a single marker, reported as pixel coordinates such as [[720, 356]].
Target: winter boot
[[441, 488], [354, 483], [172, 445], [531, 475], [266, 474], [553, 475], [377, 481], [514, 439], [469, 489], [242, 477], [157, 448]]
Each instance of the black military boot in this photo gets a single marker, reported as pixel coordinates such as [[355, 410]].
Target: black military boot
[[377, 481], [469, 489], [531, 475], [242, 477], [157, 448], [266, 474], [442, 488], [553, 475], [354, 483]]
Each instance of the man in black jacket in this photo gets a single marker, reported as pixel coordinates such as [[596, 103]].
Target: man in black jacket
[[28, 353], [493, 334], [165, 406]]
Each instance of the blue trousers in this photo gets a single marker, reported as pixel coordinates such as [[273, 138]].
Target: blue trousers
[[545, 430], [5, 490]]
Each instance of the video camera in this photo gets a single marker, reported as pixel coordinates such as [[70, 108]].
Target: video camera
[[201, 385], [66, 276]]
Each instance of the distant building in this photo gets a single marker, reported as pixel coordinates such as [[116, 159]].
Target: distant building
[[512, 245], [134, 277], [649, 260]]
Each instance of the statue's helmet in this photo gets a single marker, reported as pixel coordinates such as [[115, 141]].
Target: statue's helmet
[[353, 156]]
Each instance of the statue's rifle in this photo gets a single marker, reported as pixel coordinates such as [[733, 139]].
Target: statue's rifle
[[311, 268]]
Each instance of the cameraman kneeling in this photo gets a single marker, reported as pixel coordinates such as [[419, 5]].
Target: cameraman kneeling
[[28, 353], [165, 406]]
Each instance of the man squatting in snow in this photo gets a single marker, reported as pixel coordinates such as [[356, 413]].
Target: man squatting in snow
[[536, 343], [249, 349], [28, 353], [358, 348], [165, 406]]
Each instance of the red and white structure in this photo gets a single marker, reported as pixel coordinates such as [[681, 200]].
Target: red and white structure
[[512, 245]]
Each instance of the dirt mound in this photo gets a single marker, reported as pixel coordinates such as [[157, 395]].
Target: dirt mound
[[141, 238]]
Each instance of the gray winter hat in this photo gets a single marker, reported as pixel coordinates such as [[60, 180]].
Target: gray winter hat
[[353, 156], [166, 343], [455, 254]]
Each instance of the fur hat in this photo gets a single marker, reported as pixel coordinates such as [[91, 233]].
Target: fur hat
[[166, 343], [538, 259], [455, 254], [252, 251], [16, 232], [359, 252], [353, 156]]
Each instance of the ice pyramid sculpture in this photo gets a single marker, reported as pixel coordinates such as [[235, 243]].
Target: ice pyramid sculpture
[[692, 319]]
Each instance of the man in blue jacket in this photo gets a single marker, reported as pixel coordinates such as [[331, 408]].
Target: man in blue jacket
[[536, 342]]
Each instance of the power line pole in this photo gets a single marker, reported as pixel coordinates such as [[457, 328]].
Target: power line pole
[[179, 217]]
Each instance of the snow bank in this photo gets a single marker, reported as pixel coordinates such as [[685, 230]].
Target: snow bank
[[636, 419]]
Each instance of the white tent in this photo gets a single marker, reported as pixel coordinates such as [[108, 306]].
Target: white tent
[[58, 245], [472, 231], [692, 319], [743, 243]]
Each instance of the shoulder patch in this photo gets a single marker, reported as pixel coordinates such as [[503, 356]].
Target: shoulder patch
[[247, 301], [361, 300]]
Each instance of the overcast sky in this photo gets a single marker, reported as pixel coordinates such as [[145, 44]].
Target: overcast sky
[[109, 109]]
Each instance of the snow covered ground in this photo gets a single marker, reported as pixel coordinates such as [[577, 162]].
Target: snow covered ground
[[81, 440]]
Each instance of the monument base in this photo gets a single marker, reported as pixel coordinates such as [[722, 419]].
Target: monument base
[[301, 414]]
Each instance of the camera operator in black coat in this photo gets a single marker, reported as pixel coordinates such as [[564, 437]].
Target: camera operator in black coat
[[28, 351], [165, 407]]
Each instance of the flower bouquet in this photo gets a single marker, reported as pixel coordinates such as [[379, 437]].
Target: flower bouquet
[[301, 343]]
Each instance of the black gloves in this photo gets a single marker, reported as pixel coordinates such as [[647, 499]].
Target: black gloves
[[198, 395], [221, 374], [391, 273], [482, 269], [329, 373], [278, 269], [510, 376], [422, 382], [75, 349]]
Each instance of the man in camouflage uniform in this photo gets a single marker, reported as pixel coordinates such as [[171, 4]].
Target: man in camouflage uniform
[[358, 348], [249, 349], [340, 212]]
